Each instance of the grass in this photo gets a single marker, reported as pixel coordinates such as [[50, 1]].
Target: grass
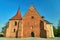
[[3, 38]]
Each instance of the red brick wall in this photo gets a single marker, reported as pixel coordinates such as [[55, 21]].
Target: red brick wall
[[28, 22]]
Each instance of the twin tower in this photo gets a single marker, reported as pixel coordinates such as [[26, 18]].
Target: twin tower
[[30, 25]]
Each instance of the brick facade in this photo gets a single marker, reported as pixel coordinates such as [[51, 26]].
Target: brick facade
[[31, 25]]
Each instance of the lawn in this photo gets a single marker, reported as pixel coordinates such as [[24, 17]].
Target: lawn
[[56, 38]]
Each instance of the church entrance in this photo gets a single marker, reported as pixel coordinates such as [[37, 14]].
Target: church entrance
[[32, 34]]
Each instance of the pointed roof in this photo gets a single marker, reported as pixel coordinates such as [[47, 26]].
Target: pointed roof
[[17, 16], [32, 9]]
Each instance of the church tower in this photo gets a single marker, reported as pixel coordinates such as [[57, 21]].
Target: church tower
[[14, 26]]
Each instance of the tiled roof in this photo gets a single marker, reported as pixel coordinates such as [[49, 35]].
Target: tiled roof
[[17, 16], [47, 22]]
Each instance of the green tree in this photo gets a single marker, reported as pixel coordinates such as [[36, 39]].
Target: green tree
[[55, 31], [58, 29], [4, 28]]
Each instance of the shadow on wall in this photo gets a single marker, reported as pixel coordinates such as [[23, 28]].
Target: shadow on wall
[[42, 31]]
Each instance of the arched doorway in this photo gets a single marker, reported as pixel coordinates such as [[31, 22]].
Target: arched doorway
[[1, 35], [32, 34]]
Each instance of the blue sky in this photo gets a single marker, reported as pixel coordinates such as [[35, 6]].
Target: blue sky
[[50, 9]]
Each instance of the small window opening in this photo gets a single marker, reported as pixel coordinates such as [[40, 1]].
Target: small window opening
[[14, 30], [15, 23], [32, 17]]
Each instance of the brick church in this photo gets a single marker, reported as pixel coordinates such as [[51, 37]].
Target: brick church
[[30, 25]]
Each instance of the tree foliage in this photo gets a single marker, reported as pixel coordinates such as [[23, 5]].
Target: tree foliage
[[4, 28], [57, 30]]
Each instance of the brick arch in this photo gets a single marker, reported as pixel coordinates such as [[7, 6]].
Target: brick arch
[[42, 30], [41, 25]]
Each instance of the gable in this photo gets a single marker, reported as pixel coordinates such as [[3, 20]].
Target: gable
[[32, 12]]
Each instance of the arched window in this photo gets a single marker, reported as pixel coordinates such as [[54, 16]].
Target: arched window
[[15, 23], [42, 31], [14, 30], [41, 25]]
